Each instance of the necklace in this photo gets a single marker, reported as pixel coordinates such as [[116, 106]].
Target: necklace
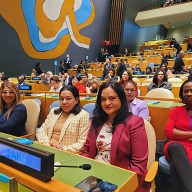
[[109, 123]]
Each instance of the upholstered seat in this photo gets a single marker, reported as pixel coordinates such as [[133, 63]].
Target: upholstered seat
[[33, 110], [160, 93]]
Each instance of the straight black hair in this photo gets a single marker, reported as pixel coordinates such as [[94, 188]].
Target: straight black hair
[[100, 117], [155, 80], [75, 93]]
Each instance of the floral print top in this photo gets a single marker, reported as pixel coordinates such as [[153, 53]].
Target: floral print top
[[103, 145]]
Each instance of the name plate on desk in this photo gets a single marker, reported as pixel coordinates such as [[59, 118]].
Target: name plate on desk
[[35, 162]]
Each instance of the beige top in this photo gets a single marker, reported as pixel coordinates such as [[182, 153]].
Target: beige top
[[72, 134], [58, 127]]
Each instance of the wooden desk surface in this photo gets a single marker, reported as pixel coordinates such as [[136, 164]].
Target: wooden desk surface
[[124, 179]]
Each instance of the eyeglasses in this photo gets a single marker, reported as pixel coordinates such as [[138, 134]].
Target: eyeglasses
[[7, 92], [160, 74]]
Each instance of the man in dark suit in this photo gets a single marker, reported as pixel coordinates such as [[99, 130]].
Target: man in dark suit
[[62, 67], [121, 67], [67, 62], [83, 65], [21, 80], [107, 66], [68, 79], [179, 66]]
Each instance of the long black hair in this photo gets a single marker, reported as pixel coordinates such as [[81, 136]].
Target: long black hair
[[181, 88], [100, 117], [77, 108], [155, 80]]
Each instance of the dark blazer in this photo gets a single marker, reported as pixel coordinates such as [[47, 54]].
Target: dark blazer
[[106, 68], [129, 148], [67, 62], [121, 67], [15, 125], [179, 64]]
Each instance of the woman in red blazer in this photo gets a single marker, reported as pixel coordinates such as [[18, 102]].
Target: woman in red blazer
[[116, 136]]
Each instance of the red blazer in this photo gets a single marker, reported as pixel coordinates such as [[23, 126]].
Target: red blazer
[[129, 148]]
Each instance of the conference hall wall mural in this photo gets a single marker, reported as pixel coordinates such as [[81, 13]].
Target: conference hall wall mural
[[47, 27]]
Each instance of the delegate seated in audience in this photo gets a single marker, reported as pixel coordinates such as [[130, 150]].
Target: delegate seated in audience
[[137, 69], [135, 105], [148, 71], [67, 80], [65, 127], [179, 149], [55, 84], [179, 66], [38, 69], [125, 76], [47, 80], [33, 74], [13, 114], [121, 67], [164, 68], [1, 75], [34, 71], [160, 81], [85, 80], [95, 84], [116, 136], [83, 65], [111, 75], [21, 80], [107, 66], [82, 88], [5, 78]]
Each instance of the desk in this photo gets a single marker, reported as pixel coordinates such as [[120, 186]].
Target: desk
[[159, 114], [124, 179]]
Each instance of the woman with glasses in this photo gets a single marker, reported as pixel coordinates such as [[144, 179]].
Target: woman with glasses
[[160, 81], [13, 114], [116, 136], [135, 105], [125, 76], [65, 127]]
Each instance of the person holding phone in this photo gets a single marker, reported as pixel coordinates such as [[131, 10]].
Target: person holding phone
[[116, 136]]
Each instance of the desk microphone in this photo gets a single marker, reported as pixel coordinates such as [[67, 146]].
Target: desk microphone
[[84, 166]]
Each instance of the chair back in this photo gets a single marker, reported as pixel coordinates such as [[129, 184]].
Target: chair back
[[89, 107], [38, 101], [54, 104], [151, 137], [160, 93], [33, 110], [176, 82], [151, 64], [147, 81]]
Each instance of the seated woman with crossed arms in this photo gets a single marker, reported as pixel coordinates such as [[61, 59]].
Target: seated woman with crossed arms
[[65, 127]]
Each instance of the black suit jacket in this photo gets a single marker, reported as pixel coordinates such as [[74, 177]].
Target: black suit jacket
[[106, 69]]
